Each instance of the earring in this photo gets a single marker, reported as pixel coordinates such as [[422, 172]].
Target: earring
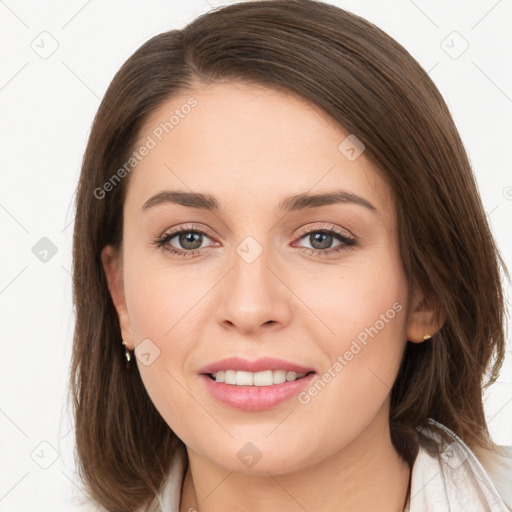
[[427, 337], [128, 357]]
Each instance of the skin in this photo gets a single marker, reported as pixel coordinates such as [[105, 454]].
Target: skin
[[251, 147]]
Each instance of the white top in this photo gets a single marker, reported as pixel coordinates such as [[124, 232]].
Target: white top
[[454, 480]]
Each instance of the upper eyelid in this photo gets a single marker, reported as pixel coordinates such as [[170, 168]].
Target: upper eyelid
[[185, 228], [326, 227]]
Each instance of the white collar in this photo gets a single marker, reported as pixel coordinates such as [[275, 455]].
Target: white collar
[[455, 480]]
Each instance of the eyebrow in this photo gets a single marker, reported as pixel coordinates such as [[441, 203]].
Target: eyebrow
[[289, 204]]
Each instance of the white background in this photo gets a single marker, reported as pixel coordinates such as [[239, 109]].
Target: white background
[[47, 107]]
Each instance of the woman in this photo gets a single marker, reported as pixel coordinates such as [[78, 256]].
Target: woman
[[287, 292]]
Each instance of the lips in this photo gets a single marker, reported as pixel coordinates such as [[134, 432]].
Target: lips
[[259, 365], [255, 398]]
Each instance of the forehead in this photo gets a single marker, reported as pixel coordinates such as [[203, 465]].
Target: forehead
[[243, 142]]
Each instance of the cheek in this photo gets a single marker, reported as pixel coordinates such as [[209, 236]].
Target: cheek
[[361, 363], [364, 309], [165, 308], [161, 300], [363, 298]]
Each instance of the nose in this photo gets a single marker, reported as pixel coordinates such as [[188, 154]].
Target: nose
[[254, 296]]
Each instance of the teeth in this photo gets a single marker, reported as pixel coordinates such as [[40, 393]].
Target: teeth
[[265, 378]]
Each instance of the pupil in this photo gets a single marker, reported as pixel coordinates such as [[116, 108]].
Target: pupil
[[321, 238], [190, 238]]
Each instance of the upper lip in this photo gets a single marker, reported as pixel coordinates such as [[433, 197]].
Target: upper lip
[[264, 363]]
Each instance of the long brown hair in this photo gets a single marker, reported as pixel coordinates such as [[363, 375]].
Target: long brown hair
[[371, 86]]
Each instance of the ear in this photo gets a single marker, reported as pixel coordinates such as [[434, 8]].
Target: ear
[[422, 322], [112, 264]]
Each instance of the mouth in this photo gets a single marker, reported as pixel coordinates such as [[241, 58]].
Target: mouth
[[255, 392]]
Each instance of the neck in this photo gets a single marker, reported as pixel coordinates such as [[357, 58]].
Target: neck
[[367, 474]]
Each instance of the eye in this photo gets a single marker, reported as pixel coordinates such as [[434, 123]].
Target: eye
[[188, 240], [322, 238]]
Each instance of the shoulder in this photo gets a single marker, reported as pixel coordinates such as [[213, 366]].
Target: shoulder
[[499, 467], [457, 478]]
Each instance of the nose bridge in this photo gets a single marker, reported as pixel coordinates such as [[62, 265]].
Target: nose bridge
[[252, 295]]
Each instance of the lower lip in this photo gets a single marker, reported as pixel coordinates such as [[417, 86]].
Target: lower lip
[[255, 398]]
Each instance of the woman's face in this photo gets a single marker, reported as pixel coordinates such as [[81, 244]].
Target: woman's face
[[262, 281]]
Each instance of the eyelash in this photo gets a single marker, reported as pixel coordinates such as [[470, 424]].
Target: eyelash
[[347, 242]]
